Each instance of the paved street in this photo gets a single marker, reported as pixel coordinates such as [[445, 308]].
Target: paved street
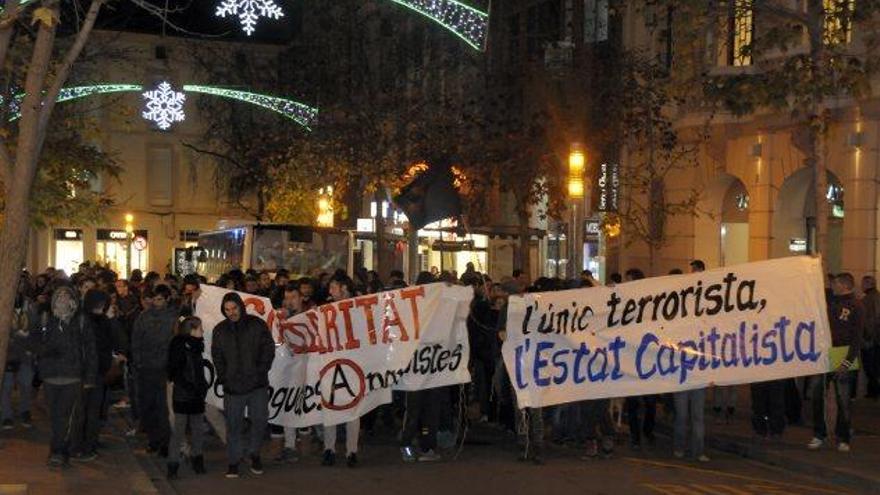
[[492, 469], [487, 464]]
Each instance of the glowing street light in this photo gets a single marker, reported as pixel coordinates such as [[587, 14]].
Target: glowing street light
[[325, 207], [576, 165]]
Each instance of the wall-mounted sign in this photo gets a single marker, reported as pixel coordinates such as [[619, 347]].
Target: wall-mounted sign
[[591, 227], [68, 234], [119, 235], [139, 243], [609, 186], [797, 245]]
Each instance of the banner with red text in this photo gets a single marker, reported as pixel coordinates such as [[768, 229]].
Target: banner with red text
[[740, 324], [337, 362]]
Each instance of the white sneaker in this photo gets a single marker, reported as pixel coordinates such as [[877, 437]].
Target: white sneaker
[[843, 447], [429, 456], [815, 443], [678, 454], [703, 458]]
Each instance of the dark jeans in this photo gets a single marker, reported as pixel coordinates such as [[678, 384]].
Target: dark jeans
[[646, 426], [153, 406], [482, 383], [819, 386], [530, 428], [257, 404], [421, 418], [61, 401], [768, 407], [595, 417], [133, 398], [87, 419], [871, 365]]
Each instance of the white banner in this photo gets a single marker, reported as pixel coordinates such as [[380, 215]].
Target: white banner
[[747, 323], [337, 362]]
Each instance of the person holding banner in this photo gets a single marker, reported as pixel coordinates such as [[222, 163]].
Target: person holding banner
[[847, 317], [689, 411], [242, 350], [529, 420], [292, 304], [342, 287]]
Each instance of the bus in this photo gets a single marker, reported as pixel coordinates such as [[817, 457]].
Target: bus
[[297, 248]]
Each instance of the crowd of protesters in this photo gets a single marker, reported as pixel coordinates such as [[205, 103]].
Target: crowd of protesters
[[90, 338]]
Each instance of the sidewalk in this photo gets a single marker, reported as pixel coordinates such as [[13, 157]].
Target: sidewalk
[[857, 469], [23, 455]]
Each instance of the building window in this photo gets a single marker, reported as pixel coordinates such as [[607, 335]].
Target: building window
[[159, 175], [838, 21], [740, 29], [595, 21]]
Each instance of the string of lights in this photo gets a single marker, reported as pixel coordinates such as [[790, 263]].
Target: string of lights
[[76, 92], [298, 112], [468, 23]]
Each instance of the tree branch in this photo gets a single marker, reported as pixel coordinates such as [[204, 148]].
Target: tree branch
[[63, 71], [213, 153]]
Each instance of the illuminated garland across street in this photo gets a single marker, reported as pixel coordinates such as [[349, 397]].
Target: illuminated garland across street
[[302, 114], [76, 92], [468, 23], [298, 112]]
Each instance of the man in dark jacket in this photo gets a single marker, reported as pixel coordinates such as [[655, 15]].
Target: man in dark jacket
[[68, 362], [871, 340], [150, 339], [242, 350], [19, 360], [88, 411], [847, 317]]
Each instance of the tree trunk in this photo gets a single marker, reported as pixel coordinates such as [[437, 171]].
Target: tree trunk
[[817, 123], [816, 161], [13, 243], [36, 110], [381, 249]]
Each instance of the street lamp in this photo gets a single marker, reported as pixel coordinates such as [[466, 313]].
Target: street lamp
[[129, 230], [576, 165], [325, 207]]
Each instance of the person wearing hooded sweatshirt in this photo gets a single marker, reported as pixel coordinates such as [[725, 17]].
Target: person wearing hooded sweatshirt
[[68, 362], [150, 339], [243, 350], [87, 424]]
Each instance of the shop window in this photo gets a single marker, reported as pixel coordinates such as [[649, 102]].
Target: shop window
[[68, 250], [112, 249]]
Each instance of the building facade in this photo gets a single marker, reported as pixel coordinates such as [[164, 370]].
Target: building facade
[[168, 190]]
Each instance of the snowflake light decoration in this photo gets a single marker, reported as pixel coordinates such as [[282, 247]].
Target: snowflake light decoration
[[164, 106], [249, 11]]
